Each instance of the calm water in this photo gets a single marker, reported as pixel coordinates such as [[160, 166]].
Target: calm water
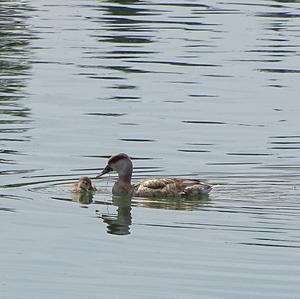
[[202, 89]]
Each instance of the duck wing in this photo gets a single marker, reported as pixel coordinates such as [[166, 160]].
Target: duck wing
[[156, 187], [156, 183], [170, 187]]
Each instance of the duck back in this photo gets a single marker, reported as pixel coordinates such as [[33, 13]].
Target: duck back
[[170, 187]]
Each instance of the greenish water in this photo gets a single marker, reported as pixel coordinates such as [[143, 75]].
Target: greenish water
[[193, 89]]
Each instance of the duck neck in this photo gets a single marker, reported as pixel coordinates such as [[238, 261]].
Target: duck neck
[[123, 184], [125, 178]]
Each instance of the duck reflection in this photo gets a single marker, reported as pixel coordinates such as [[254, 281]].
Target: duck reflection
[[177, 203], [119, 223]]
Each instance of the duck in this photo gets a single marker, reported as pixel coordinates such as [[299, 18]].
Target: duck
[[84, 184], [152, 187]]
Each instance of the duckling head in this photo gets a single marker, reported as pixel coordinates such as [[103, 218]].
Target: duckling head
[[120, 163], [85, 183]]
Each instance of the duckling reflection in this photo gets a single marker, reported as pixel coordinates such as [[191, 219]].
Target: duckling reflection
[[119, 224], [84, 198], [83, 190]]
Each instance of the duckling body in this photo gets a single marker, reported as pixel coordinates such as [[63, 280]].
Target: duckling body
[[84, 184], [155, 187]]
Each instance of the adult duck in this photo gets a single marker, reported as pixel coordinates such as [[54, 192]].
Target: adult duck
[[154, 187]]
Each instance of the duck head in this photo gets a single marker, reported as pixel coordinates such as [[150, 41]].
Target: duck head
[[120, 163]]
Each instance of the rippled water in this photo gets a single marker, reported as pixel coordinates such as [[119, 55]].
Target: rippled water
[[188, 89]]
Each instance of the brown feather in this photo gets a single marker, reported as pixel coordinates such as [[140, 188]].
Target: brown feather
[[169, 187]]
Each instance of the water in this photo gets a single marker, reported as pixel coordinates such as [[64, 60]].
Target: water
[[189, 89]]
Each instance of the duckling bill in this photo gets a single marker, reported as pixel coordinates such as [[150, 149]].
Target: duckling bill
[[155, 187]]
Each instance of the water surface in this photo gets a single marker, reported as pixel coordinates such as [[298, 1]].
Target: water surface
[[204, 90]]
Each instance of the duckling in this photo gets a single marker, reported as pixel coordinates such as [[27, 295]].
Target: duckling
[[84, 184], [155, 187]]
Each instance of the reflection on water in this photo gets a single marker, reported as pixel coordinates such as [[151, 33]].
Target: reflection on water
[[7, 210], [179, 87], [119, 223], [175, 203], [15, 71], [84, 198], [14, 74], [196, 90]]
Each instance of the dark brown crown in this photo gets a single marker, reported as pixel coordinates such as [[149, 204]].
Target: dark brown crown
[[116, 158]]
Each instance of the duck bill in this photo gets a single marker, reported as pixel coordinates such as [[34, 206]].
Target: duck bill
[[107, 169]]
